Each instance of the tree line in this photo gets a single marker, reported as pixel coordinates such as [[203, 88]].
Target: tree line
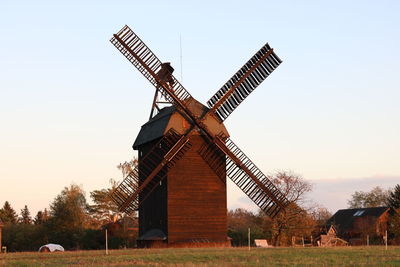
[[307, 220], [75, 224], [70, 221]]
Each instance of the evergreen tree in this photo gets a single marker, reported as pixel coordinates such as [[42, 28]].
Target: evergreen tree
[[38, 218], [25, 216], [41, 217], [8, 214], [46, 214], [394, 198]]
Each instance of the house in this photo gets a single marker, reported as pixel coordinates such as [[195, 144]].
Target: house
[[361, 226]]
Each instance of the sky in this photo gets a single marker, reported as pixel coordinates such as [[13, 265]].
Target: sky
[[71, 105]]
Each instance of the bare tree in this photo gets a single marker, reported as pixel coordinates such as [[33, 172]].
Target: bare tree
[[320, 214], [292, 185], [295, 218], [128, 166]]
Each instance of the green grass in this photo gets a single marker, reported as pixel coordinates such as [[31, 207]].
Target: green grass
[[345, 256]]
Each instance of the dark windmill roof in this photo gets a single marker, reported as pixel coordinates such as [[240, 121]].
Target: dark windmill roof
[[155, 127], [345, 218]]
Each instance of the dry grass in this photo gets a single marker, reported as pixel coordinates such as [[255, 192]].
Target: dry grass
[[345, 256]]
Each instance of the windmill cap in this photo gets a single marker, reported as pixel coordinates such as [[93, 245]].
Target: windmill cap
[[168, 66]]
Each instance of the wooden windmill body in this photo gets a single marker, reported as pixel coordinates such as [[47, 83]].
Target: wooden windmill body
[[188, 207], [186, 154]]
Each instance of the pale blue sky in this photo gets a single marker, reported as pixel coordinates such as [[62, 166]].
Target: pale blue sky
[[71, 105]]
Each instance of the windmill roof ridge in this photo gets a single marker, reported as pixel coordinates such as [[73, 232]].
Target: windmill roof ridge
[[165, 111], [369, 208], [155, 127]]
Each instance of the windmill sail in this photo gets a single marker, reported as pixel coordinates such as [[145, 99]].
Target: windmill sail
[[245, 174], [122, 195], [234, 91], [239, 168], [143, 180], [136, 51]]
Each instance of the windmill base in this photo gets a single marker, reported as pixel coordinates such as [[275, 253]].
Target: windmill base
[[187, 244]]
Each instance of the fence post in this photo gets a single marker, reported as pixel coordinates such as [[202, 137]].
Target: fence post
[[106, 242], [249, 238], [367, 240], [1, 245], [386, 239]]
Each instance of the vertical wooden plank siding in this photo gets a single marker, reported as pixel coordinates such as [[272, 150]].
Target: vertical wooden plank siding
[[197, 210]]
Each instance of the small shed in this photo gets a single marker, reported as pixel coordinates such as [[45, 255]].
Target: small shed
[[330, 239], [262, 243]]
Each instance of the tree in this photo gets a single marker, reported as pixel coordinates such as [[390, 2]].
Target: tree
[[394, 228], [393, 200], [128, 166], [294, 220], [22, 237], [320, 215], [239, 221], [69, 208], [25, 216], [41, 217], [68, 217], [377, 197], [8, 214], [104, 209]]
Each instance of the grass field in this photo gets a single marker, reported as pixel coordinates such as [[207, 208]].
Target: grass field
[[345, 256]]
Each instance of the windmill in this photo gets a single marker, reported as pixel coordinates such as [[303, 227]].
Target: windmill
[[185, 154]]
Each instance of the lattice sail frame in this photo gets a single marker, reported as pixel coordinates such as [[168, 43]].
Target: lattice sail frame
[[240, 169], [237, 88], [137, 53], [163, 156]]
